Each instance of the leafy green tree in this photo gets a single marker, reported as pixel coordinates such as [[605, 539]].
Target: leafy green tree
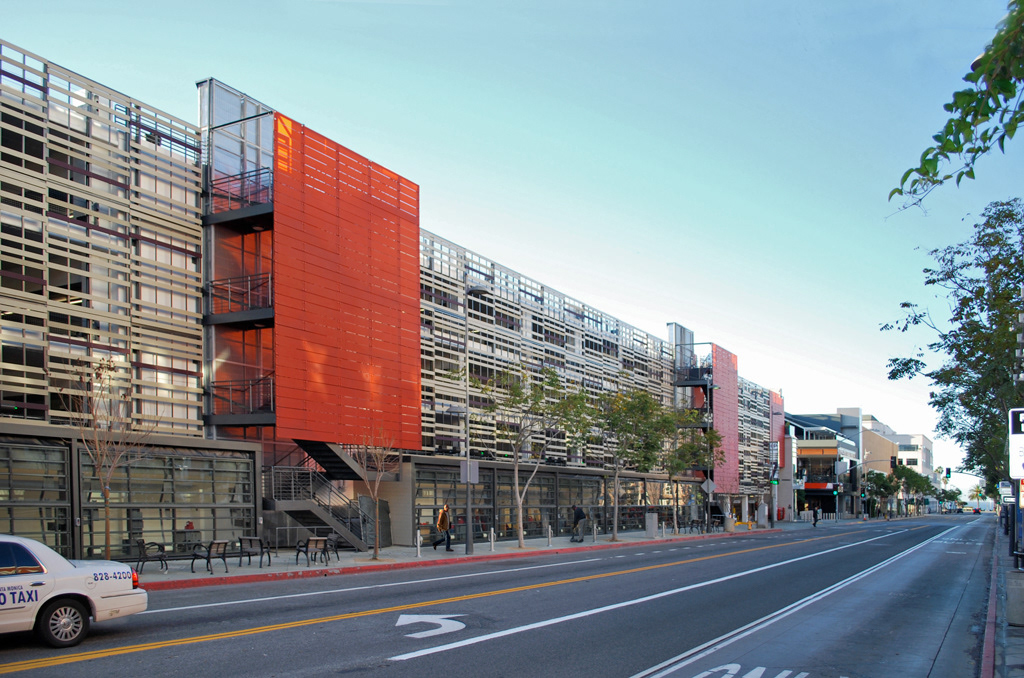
[[695, 448], [879, 487], [983, 116], [636, 425], [950, 496], [973, 388], [527, 419], [977, 493], [576, 413], [913, 483]]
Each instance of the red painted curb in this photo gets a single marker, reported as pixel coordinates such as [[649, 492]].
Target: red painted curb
[[384, 567]]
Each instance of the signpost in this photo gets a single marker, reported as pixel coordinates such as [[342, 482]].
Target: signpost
[[1016, 463]]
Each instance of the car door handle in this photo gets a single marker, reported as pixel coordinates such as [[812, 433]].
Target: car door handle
[[38, 583]]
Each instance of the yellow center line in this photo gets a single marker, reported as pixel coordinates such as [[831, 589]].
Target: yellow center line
[[145, 647]]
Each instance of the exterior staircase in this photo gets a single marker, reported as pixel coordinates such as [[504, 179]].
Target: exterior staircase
[[310, 499], [338, 464]]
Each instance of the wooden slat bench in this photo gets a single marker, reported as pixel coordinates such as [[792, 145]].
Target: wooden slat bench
[[218, 548], [150, 551], [314, 546], [253, 546]]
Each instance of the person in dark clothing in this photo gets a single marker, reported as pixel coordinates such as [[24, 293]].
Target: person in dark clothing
[[578, 516], [444, 529], [815, 513]]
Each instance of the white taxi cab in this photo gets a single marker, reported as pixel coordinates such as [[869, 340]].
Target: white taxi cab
[[42, 590]]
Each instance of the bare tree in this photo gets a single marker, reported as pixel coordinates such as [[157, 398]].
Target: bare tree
[[99, 403], [378, 456]]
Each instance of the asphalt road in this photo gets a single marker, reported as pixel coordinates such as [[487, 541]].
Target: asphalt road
[[857, 599]]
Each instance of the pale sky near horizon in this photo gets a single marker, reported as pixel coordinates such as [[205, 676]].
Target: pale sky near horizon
[[723, 165]]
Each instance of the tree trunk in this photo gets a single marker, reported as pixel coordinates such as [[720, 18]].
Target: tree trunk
[[615, 504], [376, 527], [106, 520], [519, 501], [675, 508]]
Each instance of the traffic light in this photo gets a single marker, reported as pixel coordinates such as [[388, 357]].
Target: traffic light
[[892, 462], [863, 494], [775, 481], [835, 491], [948, 472]]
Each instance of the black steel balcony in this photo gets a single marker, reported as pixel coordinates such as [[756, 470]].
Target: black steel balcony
[[693, 376], [244, 402], [255, 187], [245, 202], [246, 300]]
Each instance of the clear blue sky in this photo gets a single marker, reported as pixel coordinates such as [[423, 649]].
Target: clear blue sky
[[724, 165]]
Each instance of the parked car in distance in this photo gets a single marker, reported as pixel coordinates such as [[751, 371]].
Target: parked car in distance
[[975, 510], [43, 591]]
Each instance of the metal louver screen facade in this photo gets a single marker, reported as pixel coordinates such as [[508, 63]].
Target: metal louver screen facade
[[346, 285]]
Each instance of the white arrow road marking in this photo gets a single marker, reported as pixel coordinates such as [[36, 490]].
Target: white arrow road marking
[[444, 624]]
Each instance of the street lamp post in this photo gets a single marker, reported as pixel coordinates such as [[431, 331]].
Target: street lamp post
[[710, 452], [471, 477]]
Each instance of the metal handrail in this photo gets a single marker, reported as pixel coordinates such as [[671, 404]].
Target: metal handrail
[[255, 187], [290, 483], [245, 396], [244, 293]]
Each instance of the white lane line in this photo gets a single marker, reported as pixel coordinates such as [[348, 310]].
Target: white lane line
[[679, 661], [366, 588], [626, 603]]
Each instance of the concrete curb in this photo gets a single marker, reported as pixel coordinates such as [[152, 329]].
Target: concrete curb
[[988, 646]]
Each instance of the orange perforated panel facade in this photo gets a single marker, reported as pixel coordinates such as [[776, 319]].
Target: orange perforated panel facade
[[346, 294], [726, 414], [778, 426]]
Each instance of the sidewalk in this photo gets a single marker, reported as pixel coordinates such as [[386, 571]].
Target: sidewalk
[[1003, 653], [283, 566]]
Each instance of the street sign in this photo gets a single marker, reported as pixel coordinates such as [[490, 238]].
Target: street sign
[[708, 486], [469, 471], [1017, 443]]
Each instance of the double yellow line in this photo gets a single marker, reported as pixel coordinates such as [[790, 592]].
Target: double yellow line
[[145, 647]]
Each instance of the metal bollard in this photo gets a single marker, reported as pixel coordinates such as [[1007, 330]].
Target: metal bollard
[[549, 535], [663, 530], [595, 532], [492, 538], [419, 543]]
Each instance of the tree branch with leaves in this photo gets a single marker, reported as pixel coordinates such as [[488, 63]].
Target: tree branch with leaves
[[983, 116], [527, 420], [636, 427], [974, 387]]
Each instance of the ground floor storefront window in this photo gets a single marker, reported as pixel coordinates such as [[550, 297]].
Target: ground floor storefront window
[[176, 500], [175, 496], [35, 500], [546, 505]]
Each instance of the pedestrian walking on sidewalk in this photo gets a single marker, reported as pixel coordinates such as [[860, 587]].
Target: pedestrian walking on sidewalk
[[578, 516], [444, 529], [815, 513]]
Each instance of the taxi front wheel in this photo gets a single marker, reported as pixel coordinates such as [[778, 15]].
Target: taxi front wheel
[[63, 623]]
